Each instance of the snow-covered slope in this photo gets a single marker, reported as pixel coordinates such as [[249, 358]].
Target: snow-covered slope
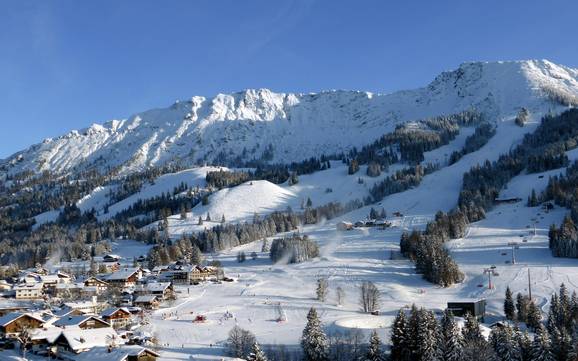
[[295, 126]]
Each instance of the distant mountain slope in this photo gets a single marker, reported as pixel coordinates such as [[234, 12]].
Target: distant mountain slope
[[288, 127]]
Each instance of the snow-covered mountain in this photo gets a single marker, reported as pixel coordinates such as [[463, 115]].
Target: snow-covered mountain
[[291, 127]]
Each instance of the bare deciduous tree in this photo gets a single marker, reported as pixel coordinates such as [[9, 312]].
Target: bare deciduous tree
[[240, 342], [340, 296], [369, 297], [322, 289]]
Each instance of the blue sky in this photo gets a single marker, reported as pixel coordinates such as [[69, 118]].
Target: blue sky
[[67, 64]]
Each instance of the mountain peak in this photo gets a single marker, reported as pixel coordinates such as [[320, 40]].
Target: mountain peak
[[249, 123]]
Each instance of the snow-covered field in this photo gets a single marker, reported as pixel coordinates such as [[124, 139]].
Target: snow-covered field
[[261, 289]]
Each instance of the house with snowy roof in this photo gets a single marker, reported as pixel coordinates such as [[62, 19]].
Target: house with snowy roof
[[29, 291], [118, 317], [12, 324], [84, 322], [126, 277], [101, 286], [111, 258], [160, 289], [77, 340], [123, 353], [148, 302], [85, 307]]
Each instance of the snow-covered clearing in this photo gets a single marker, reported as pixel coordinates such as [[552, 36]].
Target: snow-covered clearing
[[262, 291]]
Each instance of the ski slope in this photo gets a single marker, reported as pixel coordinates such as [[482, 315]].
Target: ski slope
[[261, 289]]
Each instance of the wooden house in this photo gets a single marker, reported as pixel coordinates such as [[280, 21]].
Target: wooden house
[[84, 322], [12, 324], [101, 286], [148, 302], [160, 289], [117, 317], [78, 340], [143, 354], [126, 277]]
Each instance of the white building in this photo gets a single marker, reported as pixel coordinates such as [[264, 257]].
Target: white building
[[29, 291]]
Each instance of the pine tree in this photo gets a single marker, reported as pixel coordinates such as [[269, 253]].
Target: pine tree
[[313, 341], [208, 219], [541, 347], [509, 306], [565, 311], [200, 222], [427, 337], [374, 352], [532, 199], [574, 306], [562, 344], [412, 332], [524, 345], [196, 255], [534, 315], [223, 219], [522, 307], [373, 213], [265, 246], [505, 344], [183, 212], [471, 330], [553, 314], [399, 338], [451, 342], [256, 354]]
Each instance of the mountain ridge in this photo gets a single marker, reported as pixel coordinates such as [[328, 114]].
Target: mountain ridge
[[286, 127]]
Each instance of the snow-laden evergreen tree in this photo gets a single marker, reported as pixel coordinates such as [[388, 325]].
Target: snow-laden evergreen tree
[[534, 315], [313, 341], [427, 337], [505, 344], [374, 352], [553, 314], [565, 311], [541, 346], [476, 348], [413, 331], [561, 342], [573, 355], [399, 337], [471, 330], [256, 354], [509, 306], [451, 342], [265, 246], [524, 344], [196, 255], [574, 306], [522, 307]]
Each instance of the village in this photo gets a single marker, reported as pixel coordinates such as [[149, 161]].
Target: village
[[77, 315]]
